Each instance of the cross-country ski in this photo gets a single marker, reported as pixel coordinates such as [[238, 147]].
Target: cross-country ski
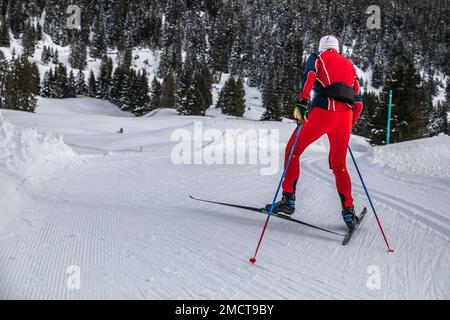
[[350, 233], [264, 211]]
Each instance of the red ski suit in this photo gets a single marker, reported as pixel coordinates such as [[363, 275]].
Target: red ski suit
[[328, 116]]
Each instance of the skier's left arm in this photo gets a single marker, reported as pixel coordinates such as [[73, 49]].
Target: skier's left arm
[[358, 105]]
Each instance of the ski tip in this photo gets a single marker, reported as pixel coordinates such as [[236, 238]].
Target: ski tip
[[191, 197], [391, 251], [252, 260]]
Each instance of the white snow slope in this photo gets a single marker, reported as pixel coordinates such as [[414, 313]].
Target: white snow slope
[[117, 217]]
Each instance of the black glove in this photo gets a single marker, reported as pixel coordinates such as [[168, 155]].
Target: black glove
[[301, 110]]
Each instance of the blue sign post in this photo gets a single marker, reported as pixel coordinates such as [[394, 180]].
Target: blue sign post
[[388, 130]]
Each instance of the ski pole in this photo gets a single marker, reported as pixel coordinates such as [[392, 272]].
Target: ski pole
[[253, 259], [370, 201]]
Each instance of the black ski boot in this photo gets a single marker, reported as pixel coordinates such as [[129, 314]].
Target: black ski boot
[[285, 206], [350, 218]]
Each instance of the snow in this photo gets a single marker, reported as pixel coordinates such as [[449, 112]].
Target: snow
[[441, 80], [367, 78], [22, 151], [430, 158], [27, 156], [118, 211]]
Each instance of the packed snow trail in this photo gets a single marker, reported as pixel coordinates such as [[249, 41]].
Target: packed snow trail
[[125, 219], [113, 220]]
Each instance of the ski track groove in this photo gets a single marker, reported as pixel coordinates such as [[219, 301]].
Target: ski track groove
[[113, 237], [393, 201], [313, 168]]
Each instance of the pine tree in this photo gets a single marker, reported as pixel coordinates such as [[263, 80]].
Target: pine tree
[[117, 29], [125, 97], [190, 100], [271, 103], [224, 102], [224, 95], [29, 41], [232, 98], [4, 68], [203, 80], [117, 84], [46, 55], [141, 102], [378, 70], [168, 99], [439, 119], [156, 93], [239, 98], [184, 92], [287, 103], [151, 28], [410, 106], [55, 56], [4, 35], [104, 78], [38, 33], [81, 88], [52, 83], [55, 23], [21, 85], [195, 41], [171, 57], [98, 46], [60, 86], [45, 89], [71, 86], [222, 38], [78, 54], [197, 102], [124, 83], [126, 58], [92, 85], [438, 115], [35, 78]]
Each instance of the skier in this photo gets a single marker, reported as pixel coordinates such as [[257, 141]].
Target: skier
[[336, 107]]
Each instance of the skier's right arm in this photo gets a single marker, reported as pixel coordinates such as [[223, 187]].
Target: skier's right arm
[[309, 77], [301, 108]]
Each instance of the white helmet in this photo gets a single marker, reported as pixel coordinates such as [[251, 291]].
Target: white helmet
[[328, 42]]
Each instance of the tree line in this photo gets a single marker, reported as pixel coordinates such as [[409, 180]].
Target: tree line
[[262, 41]]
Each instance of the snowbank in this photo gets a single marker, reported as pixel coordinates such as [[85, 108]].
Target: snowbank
[[27, 158], [30, 154], [427, 157]]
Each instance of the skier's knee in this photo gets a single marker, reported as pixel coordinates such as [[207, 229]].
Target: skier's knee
[[294, 154], [338, 169]]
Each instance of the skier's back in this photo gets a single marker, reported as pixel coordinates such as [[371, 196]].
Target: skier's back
[[336, 106]]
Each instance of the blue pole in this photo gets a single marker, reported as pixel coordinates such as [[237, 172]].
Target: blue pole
[[370, 200], [299, 128], [388, 130]]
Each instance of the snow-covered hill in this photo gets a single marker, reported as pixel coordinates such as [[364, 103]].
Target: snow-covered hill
[[116, 210]]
